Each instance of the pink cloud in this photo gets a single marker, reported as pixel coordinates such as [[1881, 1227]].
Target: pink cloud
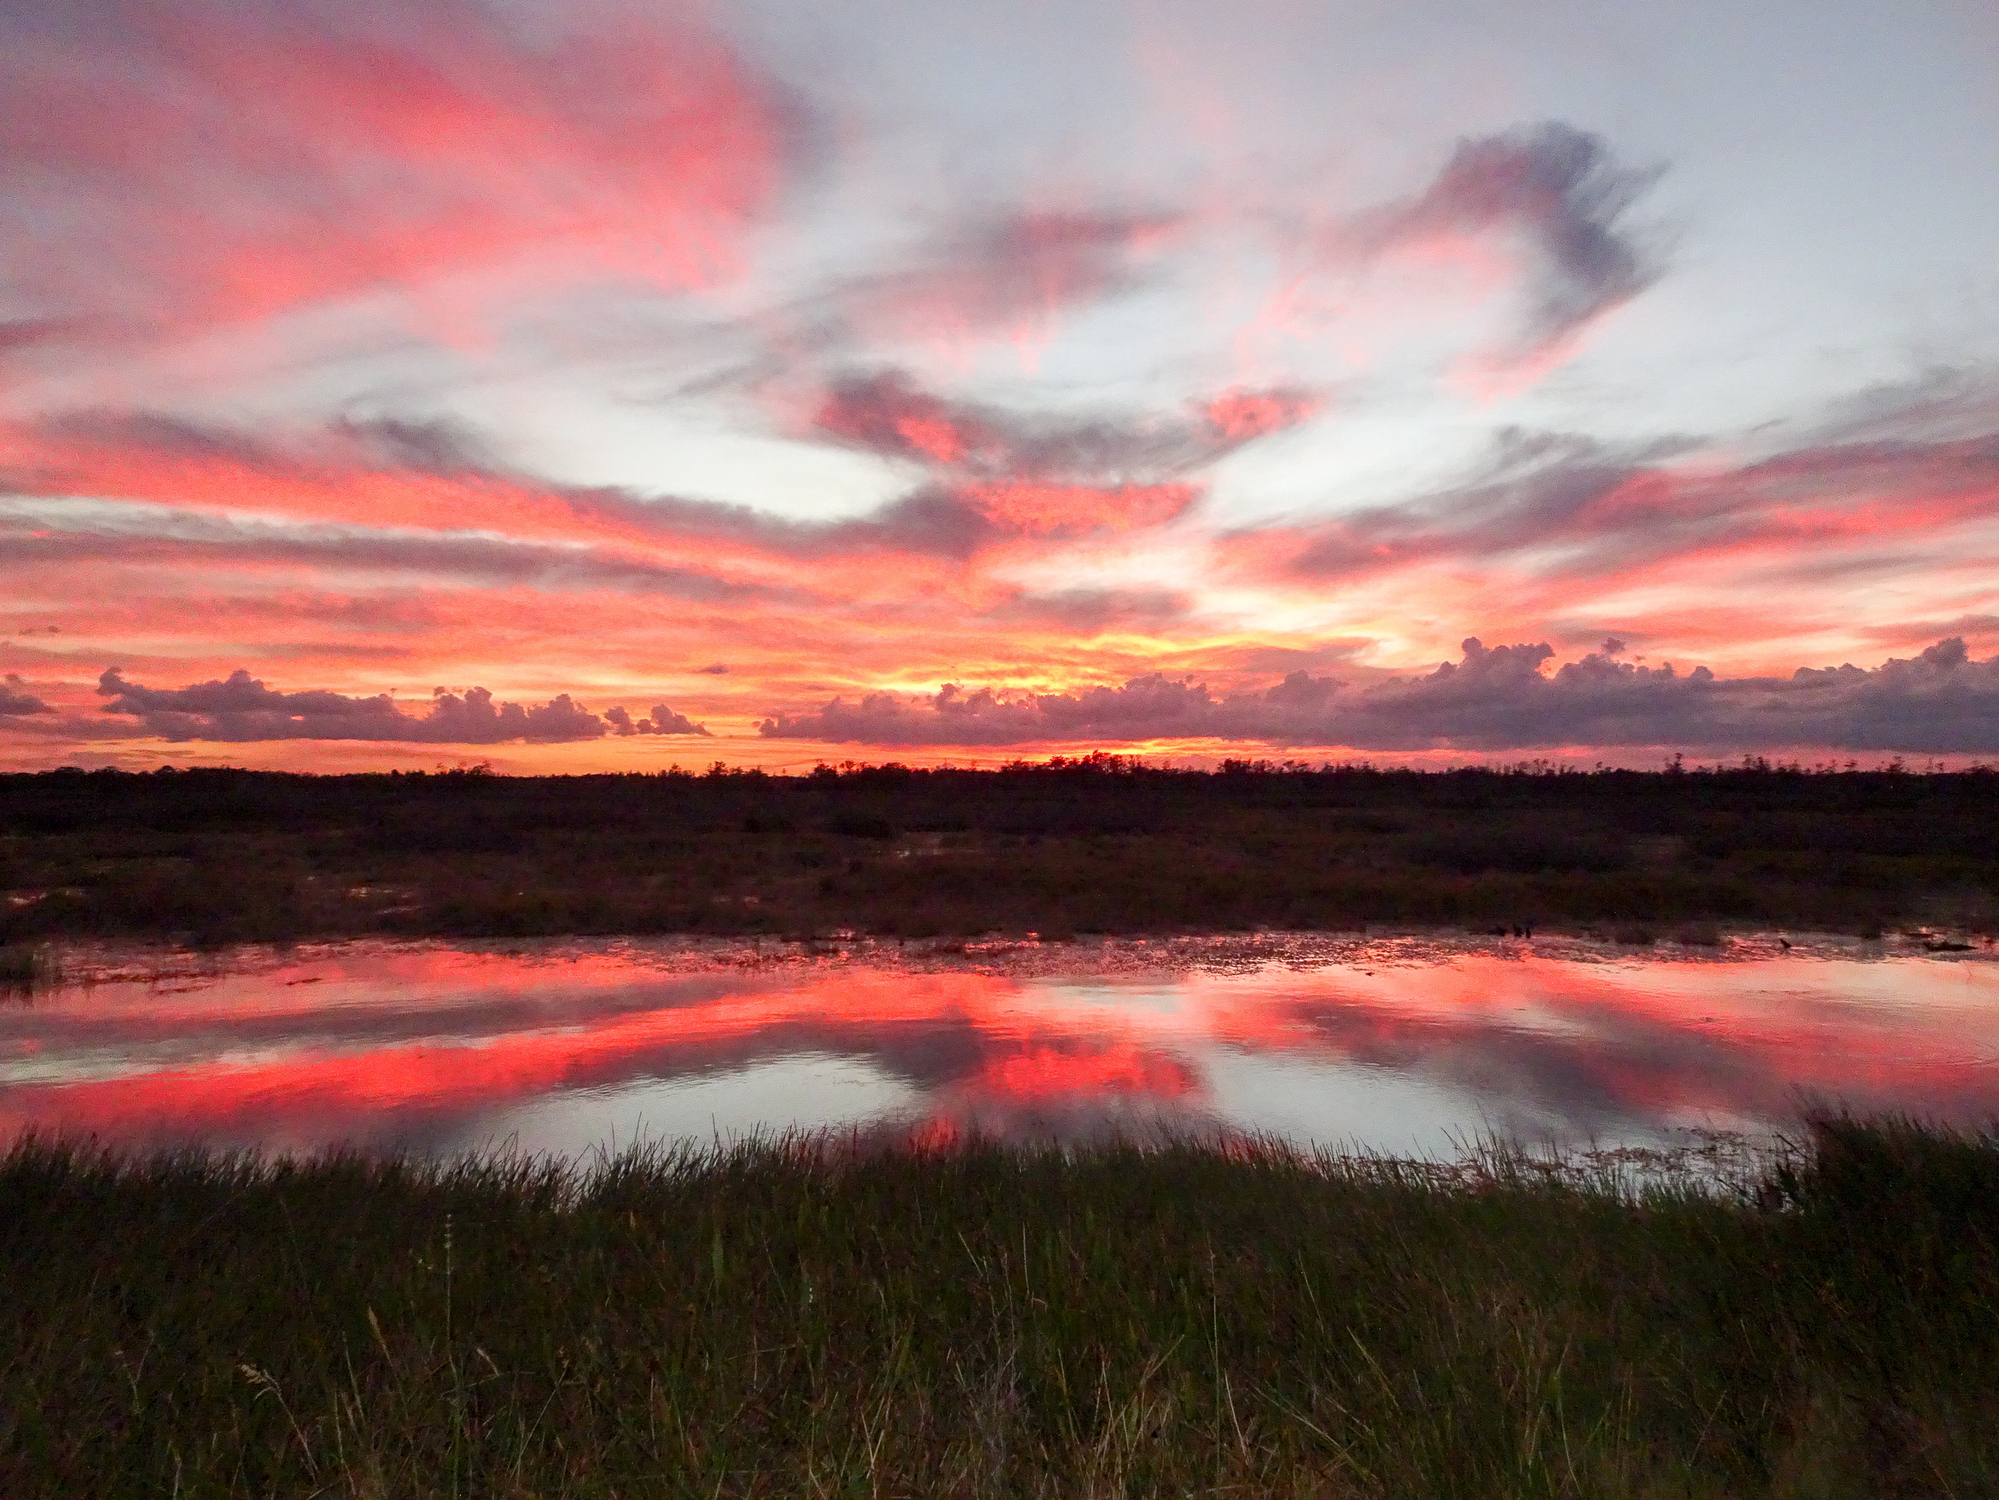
[[258, 158]]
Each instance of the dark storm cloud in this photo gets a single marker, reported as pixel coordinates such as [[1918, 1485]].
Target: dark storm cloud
[[1495, 698], [1561, 188], [241, 709]]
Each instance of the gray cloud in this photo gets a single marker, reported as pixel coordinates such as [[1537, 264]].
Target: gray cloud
[[1495, 698], [1580, 507], [886, 412], [241, 709], [434, 446], [1559, 186], [662, 720], [26, 333], [181, 541], [1941, 404], [1005, 270], [16, 704], [1086, 612], [943, 520]]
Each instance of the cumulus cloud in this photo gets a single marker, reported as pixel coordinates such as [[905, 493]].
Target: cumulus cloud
[[1558, 187], [1494, 698], [662, 720], [14, 703], [241, 709]]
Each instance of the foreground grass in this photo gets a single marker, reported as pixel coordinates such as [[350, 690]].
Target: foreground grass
[[796, 1320]]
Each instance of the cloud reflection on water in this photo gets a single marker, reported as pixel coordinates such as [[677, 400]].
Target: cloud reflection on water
[[1393, 1045]]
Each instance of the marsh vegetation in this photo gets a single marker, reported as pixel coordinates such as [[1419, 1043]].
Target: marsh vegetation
[[819, 1318], [25, 968], [1095, 845]]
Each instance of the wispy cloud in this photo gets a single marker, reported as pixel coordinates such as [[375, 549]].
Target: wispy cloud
[[265, 156], [1557, 189], [888, 413]]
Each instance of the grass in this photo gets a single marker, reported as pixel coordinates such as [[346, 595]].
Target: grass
[[25, 969], [805, 1319]]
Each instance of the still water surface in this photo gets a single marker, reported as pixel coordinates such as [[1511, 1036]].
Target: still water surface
[[1407, 1045]]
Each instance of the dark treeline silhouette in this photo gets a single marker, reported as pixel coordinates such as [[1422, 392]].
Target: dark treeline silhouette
[[1096, 844]]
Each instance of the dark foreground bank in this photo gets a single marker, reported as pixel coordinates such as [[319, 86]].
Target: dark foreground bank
[[1095, 845], [804, 1321]]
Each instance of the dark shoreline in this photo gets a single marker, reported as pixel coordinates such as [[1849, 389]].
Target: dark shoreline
[[120, 960], [211, 857]]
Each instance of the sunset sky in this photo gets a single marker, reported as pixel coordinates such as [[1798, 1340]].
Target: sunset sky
[[606, 385]]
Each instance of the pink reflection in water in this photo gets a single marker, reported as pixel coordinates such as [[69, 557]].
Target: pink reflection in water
[[1399, 1044]]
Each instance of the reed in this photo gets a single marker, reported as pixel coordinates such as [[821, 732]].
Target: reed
[[25, 969], [819, 1317]]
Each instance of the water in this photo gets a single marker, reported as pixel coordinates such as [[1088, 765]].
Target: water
[[1407, 1045]]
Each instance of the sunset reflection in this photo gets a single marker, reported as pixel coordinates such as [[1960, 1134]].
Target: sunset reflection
[[1397, 1045]]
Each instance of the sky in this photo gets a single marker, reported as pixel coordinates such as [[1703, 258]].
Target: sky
[[605, 385]]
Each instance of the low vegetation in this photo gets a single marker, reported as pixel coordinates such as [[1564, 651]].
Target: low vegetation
[[1099, 844], [805, 1318], [25, 969]]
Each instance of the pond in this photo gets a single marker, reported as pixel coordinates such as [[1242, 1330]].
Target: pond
[[1408, 1045]]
